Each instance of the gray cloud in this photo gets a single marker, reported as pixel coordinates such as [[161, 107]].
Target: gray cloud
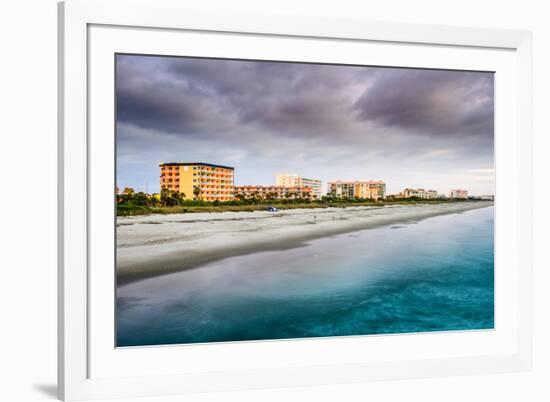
[[431, 101], [186, 96], [265, 117]]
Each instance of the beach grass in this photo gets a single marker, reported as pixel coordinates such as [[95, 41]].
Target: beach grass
[[129, 209]]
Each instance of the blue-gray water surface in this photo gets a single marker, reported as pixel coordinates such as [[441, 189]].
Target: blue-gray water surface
[[433, 275]]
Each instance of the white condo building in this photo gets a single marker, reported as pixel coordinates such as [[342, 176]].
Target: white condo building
[[293, 180], [420, 193]]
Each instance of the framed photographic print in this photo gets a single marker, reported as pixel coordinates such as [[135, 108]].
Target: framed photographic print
[[259, 201], [231, 250]]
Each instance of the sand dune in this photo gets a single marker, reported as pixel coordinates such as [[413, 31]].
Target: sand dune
[[157, 244]]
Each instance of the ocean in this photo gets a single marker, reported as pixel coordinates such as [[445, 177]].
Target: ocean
[[436, 274]]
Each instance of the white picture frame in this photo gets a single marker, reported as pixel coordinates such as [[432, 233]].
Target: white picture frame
[[80, 377]]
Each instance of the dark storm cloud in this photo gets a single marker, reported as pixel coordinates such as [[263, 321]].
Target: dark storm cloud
[[200, 97], [147, 97], [189, 95], [431, 102]]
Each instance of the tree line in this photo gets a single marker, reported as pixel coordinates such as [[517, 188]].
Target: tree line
[[129, 198]]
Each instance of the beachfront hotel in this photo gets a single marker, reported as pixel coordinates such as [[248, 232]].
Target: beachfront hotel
[[199, 181], [293, 180], [419, 193], [459, 194], [373, 189], [273, 192]]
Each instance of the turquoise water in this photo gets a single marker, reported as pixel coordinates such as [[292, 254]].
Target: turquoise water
[[433, 275]]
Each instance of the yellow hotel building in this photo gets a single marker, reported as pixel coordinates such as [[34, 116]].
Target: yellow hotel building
[[199, 181]]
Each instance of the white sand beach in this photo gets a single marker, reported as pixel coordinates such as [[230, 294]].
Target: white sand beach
[[157, 244]]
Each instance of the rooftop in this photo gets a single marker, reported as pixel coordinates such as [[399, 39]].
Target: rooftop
[[357, 182], [271, 186], [194, 164]]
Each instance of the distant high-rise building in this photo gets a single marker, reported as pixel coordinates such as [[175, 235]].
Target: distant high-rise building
[[293, 180], [341, 189], [420, 193], [373, 189], [198, 181], [459, 194]]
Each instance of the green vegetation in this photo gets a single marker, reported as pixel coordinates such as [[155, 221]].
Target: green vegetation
[[130, 203]]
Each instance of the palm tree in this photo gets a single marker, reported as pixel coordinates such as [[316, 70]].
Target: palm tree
[[197, 192]]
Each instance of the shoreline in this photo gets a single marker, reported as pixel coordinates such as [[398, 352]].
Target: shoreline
[[155, 245]]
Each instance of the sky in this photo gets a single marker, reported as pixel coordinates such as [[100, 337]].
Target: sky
[[415, 128]]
